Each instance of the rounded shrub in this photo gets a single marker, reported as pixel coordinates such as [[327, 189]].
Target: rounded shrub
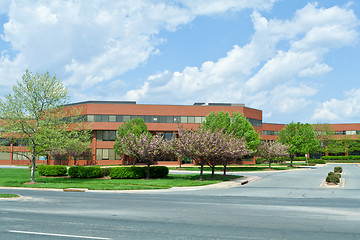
[[127, 173], [338, 169], [333, 178], [52, 170], [85, 172], [158, 171]]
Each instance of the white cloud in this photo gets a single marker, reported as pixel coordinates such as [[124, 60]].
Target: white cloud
[[262, 73], [90, 42], [340, 110]]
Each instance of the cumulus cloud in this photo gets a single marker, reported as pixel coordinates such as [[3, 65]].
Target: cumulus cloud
[[263, 72], [340, 110], [91, 42]]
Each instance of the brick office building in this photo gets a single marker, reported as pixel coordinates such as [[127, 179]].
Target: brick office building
[[106, 116]]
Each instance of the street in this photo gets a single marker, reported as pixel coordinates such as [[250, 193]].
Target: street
[[281, 205]]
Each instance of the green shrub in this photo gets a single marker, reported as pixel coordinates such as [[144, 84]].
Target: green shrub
[[350, 157], [85, 172], [316, 161], [333, 178], [106, 171], [259, 160], [128, 172], [158, 171], [338, 169], [52, 170]]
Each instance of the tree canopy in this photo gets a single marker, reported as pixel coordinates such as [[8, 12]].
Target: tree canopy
[[36, 111], [300, 138], [238, 125]]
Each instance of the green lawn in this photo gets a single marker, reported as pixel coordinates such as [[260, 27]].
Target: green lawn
[[17, 178]]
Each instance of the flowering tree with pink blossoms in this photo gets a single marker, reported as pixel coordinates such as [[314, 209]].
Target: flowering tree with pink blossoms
[[269, 150], [145, 148], [211, 147]]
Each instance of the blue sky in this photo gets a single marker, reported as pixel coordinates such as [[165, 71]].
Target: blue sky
[[296, 60]]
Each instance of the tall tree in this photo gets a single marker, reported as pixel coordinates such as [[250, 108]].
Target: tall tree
[[300, 138], [324, 133], [270, 150], [238, 125], [36, 111]]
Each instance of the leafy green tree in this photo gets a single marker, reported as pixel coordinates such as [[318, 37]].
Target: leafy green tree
[[36, 111], [324, 133], [300, 138], [136, 126], [78, 144], [238, 125]]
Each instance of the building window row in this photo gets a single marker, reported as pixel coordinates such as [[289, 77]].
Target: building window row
[[349, 132], [105, 135], [274, 133], [107, 154], [157, 119]]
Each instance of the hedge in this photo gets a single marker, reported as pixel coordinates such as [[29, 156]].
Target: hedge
[[316, 161], [85, 172], [138, 172], [51, 170], [127, 173], [351, 157], [158, 171], [338, 169]]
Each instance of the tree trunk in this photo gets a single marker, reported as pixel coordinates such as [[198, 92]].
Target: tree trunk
[[269, 163], [212, 171], [148, 172], [291, 159], [201, 170], [225, 167], [32, 178]]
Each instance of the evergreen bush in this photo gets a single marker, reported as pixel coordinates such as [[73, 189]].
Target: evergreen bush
[[85, 172], [338, 169], [52, 170], [333, 178], [158, 171], [127, 173]]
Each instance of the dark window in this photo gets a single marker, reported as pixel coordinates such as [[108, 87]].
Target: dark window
[[119, 118], [97, 118]]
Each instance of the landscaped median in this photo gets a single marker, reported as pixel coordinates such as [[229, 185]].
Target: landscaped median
[[18, 178]]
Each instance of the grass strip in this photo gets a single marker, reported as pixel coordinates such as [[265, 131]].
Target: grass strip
[[17, 178], [5, 195]]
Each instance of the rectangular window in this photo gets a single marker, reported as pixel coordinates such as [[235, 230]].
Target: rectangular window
[[126, 118], [99, 135], [155, 119], [112, 118], [119, 118], [90, 118], [162, 119], [197, 119], [97, 118], [148, 119], [191, 119], [4, 156], [105, 118], [203, 119], [105, 154], [177, 119], [184, 119]]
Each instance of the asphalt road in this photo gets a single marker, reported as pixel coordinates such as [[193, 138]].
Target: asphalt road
[[281, 205]]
